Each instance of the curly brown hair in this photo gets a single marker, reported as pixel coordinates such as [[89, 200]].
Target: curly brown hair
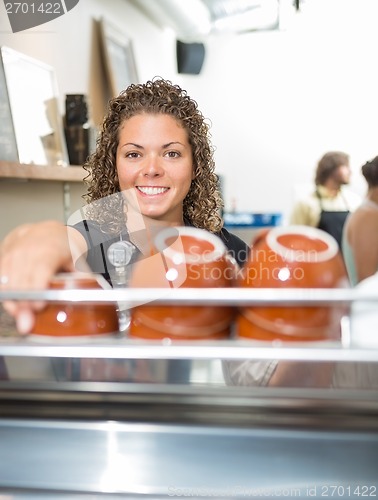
[[202, 205]]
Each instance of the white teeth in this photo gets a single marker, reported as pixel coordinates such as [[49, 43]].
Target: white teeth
[[152, 190]]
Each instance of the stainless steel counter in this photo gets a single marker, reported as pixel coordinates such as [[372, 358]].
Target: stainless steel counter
[[162, 461], [120, 418]]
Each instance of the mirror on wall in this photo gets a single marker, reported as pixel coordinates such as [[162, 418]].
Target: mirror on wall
[[33, 99]]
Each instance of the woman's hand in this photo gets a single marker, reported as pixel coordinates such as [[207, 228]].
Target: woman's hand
[[30, 256]]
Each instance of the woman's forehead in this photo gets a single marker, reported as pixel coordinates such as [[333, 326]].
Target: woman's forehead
[[149, 128], [158, 121]]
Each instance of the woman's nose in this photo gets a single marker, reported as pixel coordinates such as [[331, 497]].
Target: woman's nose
[[152, 167]]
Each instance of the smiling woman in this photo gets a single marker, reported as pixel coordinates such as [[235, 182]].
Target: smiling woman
[[153, 167], [202, 202]]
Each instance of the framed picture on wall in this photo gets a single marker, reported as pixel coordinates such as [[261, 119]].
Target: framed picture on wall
[[33, 98], [8, 144], [118, 57]]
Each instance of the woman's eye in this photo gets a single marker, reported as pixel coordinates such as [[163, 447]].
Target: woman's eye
[[173, 154], [132, 154]]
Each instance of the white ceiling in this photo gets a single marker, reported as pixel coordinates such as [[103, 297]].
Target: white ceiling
[[193, 19]]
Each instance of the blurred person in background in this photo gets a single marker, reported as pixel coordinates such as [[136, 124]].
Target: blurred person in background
[[330, 204], [360, 235]]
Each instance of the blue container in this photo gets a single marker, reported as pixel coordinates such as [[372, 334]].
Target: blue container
[[251, 220]]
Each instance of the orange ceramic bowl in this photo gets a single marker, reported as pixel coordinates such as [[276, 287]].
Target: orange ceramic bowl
[[292, 257], [191, 258], [69, 319]]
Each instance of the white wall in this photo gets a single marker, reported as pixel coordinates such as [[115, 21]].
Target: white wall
[[277, 100], [65, 42]]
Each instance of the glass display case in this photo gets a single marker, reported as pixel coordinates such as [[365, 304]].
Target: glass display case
[[116, 417]]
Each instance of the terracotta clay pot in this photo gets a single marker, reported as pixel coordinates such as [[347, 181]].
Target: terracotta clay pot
[[191, 258], [69, 319], [292, 257]]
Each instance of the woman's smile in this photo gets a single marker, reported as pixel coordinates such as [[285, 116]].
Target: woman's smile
[[152, 190]]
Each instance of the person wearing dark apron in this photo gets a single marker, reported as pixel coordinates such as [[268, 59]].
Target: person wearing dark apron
[[332, 222]]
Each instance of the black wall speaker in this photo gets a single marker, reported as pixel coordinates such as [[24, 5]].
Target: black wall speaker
[[190, 57]]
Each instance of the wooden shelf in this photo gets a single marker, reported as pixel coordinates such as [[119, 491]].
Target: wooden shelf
[[14, 170]]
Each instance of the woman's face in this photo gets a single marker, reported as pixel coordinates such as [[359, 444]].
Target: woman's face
[[155, 166]]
